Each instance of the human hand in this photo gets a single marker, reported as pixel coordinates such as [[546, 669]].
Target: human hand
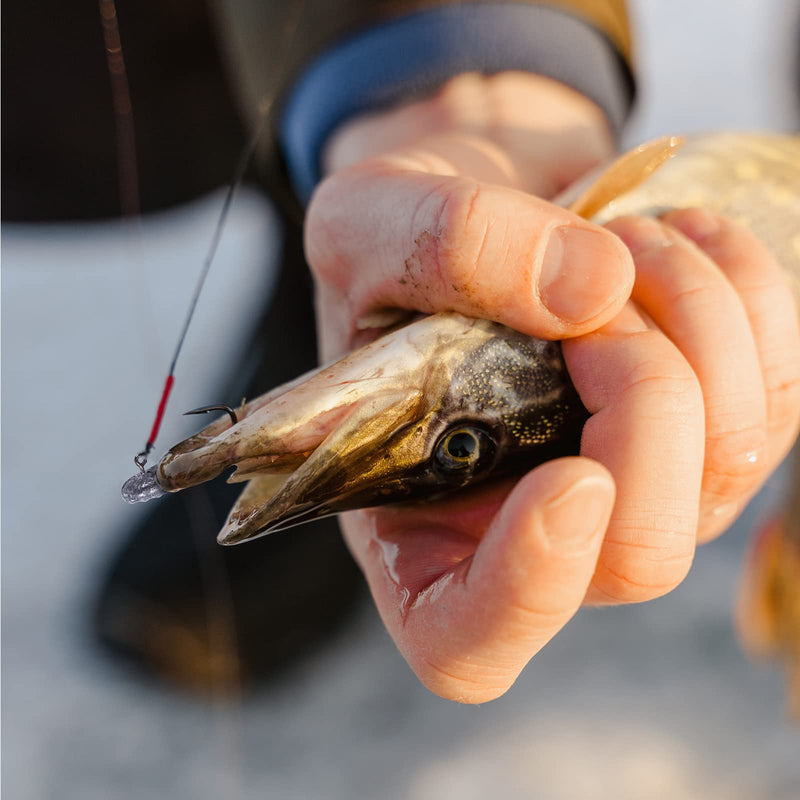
[[685, 384], [446, 212]]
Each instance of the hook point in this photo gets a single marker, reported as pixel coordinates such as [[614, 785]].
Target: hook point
[[205, 409]]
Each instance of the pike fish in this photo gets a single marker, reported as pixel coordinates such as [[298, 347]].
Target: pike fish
[[446, 401]]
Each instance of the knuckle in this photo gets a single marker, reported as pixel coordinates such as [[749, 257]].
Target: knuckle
[[635, 226], [783, 404], [734, 237], [687, 216], [635, 585], [647, 564], [668, 377], [734, 460], [459, 235], [455, 201], [702, 297]]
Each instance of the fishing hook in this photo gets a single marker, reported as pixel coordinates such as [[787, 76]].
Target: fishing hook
[[205, 409]]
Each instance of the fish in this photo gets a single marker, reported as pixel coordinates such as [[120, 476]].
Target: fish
[[437, 405], [446, 402]]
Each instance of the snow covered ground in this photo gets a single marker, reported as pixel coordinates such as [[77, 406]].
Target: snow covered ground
[[652, 701]]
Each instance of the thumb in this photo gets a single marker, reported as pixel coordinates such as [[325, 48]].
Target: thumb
[[527, 579], [385, 236]]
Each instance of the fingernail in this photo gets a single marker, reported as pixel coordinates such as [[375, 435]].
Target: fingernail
[[573, 520], [582, 271]]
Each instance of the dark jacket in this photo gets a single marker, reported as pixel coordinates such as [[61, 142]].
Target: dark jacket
[[321, 61]]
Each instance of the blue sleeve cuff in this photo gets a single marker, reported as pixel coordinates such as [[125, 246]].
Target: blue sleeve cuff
[[406, 57]]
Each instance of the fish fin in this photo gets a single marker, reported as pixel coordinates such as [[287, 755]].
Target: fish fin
[[625, 173]]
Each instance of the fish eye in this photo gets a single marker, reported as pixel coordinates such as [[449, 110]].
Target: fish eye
[[463, 451]]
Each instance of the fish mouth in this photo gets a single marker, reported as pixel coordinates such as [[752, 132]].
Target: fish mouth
[[346, 470], [428, 409], [320, 444]]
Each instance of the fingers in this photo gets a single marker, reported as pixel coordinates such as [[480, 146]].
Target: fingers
[[397, 237], [472, 624], [700, 391], [771, 311], [647, 428], [688, 296]]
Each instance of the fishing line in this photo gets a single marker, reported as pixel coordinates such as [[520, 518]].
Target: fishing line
[[244, 160], [220, 607], [129, 185]]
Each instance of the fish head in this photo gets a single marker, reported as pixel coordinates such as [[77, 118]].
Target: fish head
[[438, 405]]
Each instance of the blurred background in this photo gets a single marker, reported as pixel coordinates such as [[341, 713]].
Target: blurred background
[[651, 701]]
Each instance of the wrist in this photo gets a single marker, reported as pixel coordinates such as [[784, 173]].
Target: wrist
[[546, 134]]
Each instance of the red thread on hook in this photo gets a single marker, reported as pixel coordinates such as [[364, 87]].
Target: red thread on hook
[[151, 440], [129, 192]]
